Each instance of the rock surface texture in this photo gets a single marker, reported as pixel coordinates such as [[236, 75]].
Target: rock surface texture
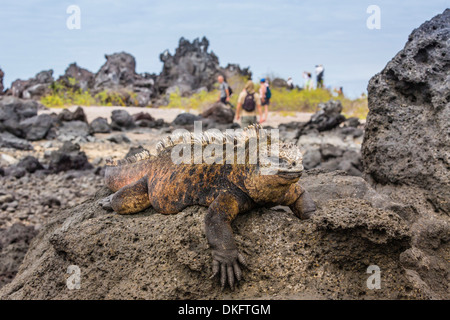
[[408, 125], [406, 146], [2, 88]]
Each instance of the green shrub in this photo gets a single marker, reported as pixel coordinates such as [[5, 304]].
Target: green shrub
[[61, 96]]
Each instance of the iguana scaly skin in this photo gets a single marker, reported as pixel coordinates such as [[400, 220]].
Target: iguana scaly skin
[[227, 190]]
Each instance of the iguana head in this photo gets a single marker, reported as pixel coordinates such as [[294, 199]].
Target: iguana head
[[274, 174], [286, 163]]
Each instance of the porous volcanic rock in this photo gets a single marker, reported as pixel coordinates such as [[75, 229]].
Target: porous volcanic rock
[[84, 79], [2, 88], [121, 120], [33, 88], [68, 157], [118, 75], [408, 126], [219, 113], [14, 243], [100, 125]]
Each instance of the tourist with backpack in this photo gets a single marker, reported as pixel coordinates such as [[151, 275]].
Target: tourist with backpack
[[225, 91], [249, 106], [265, 94]]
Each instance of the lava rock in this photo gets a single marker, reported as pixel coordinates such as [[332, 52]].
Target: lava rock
[[78, 115], [135, 150], [119, 139], [8, 140], [36, 128], [68, 157], [118, 75], [33, 88], [14, 244], [352, 122], [407, 131], [190, 68], [30, 164], [121, 120], [328, 117], [331, 151], [84, 79], [312, 158], [279, 83], [143, 116], [119, 69], [186, 118], [99, 125], [15, 171], [220, 113], [14, 110], [73, 130], [2, 88]]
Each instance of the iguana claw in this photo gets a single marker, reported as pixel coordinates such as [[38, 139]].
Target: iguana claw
[[226, 263], [105, 203]]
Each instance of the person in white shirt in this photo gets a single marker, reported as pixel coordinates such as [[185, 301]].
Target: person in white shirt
[[319, 75], [290, 83]]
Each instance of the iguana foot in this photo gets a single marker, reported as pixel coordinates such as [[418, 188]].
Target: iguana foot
[[225, 263], [105, 203], [307, 215]]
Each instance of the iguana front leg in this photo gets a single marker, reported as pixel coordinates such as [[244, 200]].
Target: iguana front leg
[[130, 199], [220, 236], [304, 207], [299, 201]]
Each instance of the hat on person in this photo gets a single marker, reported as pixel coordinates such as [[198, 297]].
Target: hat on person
[[262, 80]]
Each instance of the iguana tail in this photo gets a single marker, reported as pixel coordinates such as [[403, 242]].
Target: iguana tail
[[120, 173]]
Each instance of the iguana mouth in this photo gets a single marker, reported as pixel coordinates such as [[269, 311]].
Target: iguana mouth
[[290, 174]]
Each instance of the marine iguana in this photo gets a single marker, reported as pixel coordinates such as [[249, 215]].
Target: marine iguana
[[227, 187]]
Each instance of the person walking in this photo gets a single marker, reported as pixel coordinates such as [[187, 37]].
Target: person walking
[[225, 91], [319, 75], [265, 94], [308, 80], [248, 106], [290, 83]]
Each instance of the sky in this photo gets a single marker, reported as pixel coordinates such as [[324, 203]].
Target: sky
[[279, 38]]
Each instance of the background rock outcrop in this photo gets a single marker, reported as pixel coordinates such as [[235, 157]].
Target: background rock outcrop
[[84, 79], [119, 74], [33, 88], [190, 68], [2, 88]]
